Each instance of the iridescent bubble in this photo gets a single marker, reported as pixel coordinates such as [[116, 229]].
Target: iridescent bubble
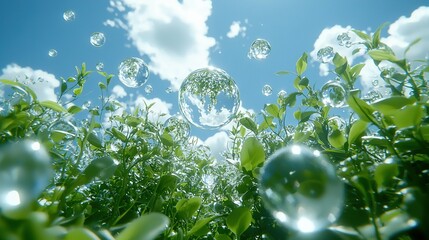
[[333, 94], [52, 53], [133, 72], [267, 90], [300, 189], [25, 171], [259, 49], [209, 98], [343, 39], [62, 132], [148, 89], [99, 66], [178, 128], [69, 15], [326, 54], [97, 39]]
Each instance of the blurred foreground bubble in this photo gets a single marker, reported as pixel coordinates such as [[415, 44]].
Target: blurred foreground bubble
[[300, 189], [209, 98], [133, 72], [260, 49], [25, 171]]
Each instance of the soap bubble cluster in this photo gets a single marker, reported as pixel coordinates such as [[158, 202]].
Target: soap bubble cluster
[[209, 98]]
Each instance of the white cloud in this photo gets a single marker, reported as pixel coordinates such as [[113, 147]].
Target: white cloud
[[41, 82], [118, 92], [328, 37], [160, 111], [218, 144], [235, 29], [172, 34]]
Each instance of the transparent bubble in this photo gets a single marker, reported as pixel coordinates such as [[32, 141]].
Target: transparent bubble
[[169, 90], [375, 82], [343, 39], [69, 15], [52, 53], [300, 189], [326, 54], [133, 72], [209, 98], [372, 96], [259, 49], [178, 128], [336, 123], [62, 132], [281, 96], [97, 39], [333, 94], [267, 90], [25, 170], [99, 66], [148, 89], [348, 44]]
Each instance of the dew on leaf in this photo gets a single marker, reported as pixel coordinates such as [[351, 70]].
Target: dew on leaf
[[69, 15], [97, 39], [52, 53], [333, 94], [25, 170], [300, 189], [260, 49], [133, 72], [209, 98], [267, 90], [326, 54]]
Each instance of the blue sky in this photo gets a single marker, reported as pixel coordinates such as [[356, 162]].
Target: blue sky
[[133, 28]]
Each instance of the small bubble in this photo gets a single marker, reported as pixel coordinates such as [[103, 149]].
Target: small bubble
[[375, 82], [333, 94], [69, 15], [52, 53], [169, 90], [343, 39], [148, 89], [133, 72], [326, 54], [259, 49], [348, 44], [97, 39], [99, 66], [267, 90]]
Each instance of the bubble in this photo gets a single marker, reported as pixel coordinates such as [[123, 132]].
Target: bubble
[[209, 98], [62, 132], [375, 82], [348, 44], [133, 72], [333, 94], [267, 90], [69, 15], [343, 39], [326, 54], [178, 128], [99, 66], [169, 90], [372, 96], [336, 123], [148, 89], [52, 53], [259, 49], [97, 39], [300, 189], [25, 171]]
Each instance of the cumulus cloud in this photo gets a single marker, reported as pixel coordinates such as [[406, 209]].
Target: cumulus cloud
[[160, 111], [173, 34], [235, 29], [218, 144], [118, 92], [41, 82]]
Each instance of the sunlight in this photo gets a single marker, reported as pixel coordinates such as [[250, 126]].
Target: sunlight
[[12, 198]]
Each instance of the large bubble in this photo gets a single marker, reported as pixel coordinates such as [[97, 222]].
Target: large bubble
[[133, 72], [209, 98], [334, 94], [25, 171], [299, 187]]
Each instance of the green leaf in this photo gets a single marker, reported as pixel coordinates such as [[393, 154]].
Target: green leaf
[[376, 36], [81, 234], [305, 116], [249, 124], [337, 139], [187, 207], [74, 109], [390, 105], [102, 168], [147, 227], [239, 220], [102, 86], [252, 154], [78, 91], [200, 228], [362, 35], [272, 109], [53, 105], [20, 85], [356, 130], [291, 99], [304, 82], [301, 64], [119, 135], [356, 69], [411, 44], [94, 140], [63, 86], [283, 72], [166, 139], [380, 55], [362, 109], [408, 116], [384, 175], [167, 182], [222, 237]]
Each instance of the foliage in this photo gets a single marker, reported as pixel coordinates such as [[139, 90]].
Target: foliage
[[125, 177]]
